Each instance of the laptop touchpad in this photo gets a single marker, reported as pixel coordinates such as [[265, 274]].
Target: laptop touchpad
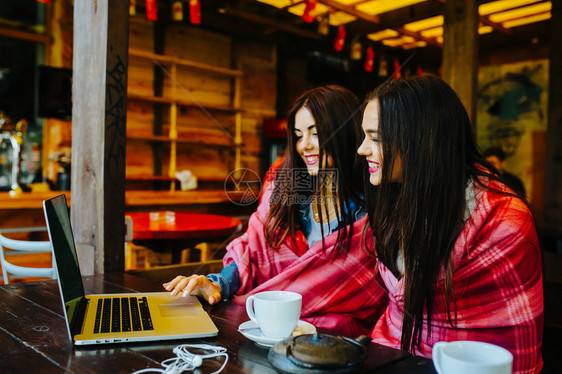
[[177, 308]]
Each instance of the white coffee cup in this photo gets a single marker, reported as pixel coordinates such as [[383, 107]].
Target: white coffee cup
[[276, 312], [470, 357]]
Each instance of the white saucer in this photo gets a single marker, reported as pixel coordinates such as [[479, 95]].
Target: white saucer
[[252, 331]]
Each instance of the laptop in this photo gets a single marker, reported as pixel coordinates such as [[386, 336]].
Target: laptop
[[116, 318]]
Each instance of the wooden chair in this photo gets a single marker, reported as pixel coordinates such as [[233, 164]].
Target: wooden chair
[[9, 248]]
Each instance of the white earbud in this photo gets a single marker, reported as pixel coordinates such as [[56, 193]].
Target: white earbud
[[196, 361]]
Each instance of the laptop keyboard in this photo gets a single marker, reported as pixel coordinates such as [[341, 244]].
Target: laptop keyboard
[[117, 314]]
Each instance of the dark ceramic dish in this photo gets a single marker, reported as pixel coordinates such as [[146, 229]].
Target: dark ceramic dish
[[318, 353]]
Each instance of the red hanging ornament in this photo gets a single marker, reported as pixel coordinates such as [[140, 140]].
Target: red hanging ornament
[[195, 12], [419, 70], [308, 9], [397, 73], [340, 39], [44, 1], [370, 59], [151, 10]]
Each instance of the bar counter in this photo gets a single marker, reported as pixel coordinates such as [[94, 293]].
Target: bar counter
[[33, 200], [26, 209]]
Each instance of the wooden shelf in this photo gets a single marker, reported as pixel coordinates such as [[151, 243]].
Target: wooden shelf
[[165, 178], [150, 138], [177, 135], [181, 102], [186, 63], [34, 200], [155, 178], [210, 144], [166, 139]]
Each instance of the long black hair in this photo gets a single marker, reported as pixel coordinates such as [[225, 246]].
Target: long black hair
[[337, 113], [424, 127]]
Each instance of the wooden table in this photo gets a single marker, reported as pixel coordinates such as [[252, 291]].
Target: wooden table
[[34, 339], [181, 230]]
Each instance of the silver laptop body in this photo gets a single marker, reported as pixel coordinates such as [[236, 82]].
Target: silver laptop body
[[116, 318]]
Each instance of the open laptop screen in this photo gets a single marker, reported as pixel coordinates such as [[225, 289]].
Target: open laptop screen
[[66, 259]]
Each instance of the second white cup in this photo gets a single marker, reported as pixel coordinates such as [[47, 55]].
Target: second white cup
[[471, 357], [276, 312]]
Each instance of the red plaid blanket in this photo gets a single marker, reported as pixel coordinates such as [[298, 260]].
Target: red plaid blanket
[[497, 283], [339, 293]]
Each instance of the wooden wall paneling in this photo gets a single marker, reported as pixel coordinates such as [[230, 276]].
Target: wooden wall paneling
[[252, 124], [140, 113], [216, 128], [207, 163], [258, 61], [142, 80], [195, 44], [139, 161], [212, 137], [259, 88], [256, 52], [140, 117], [141, 33], [199, 87]]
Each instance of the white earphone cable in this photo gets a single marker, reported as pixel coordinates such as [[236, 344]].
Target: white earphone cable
[[187, 361]]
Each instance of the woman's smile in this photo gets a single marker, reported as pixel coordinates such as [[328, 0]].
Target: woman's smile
[[311, 159], [373, 166]]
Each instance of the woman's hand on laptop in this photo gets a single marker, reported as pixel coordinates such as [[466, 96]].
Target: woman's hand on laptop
[[196, 285]]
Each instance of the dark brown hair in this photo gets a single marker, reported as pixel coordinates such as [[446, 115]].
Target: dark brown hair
[[337, 113], [425, 125]]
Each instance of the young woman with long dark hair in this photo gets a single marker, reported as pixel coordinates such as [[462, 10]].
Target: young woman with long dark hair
[[457, 249], [305, 235]]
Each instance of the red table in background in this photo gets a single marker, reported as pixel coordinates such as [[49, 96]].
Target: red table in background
[[175, 231]]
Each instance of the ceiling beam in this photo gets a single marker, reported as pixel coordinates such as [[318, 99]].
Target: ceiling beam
[[486, 21], [269, 23], [350, 10], [274, 19], [496, 26]]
